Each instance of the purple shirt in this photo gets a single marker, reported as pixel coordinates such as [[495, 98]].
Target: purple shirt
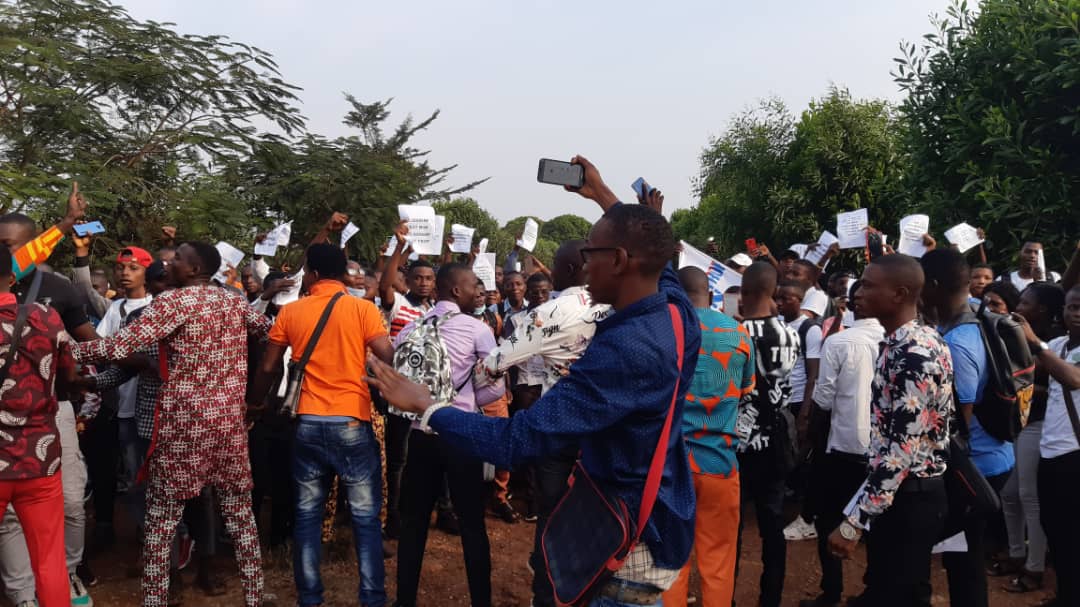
[[468, 341]]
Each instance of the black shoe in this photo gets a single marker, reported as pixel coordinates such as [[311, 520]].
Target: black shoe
[[86, 575], [821, 601], [506, 512], [447, 522], [176, 589]]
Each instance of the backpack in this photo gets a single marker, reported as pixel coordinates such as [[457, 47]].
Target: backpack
[[804, 331], [1007, 397], [424, 359]]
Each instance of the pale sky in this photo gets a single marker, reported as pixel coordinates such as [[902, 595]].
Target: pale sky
[[637, 87]]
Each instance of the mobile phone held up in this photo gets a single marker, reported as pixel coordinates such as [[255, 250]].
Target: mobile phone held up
[[752, 247], [642, 188], [88, 229], [557, 172], [875, 244]]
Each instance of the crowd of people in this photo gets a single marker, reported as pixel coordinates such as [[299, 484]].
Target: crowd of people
[[194, 395]]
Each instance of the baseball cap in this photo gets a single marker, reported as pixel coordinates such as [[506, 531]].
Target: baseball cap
[[139, 256], [816, 301], [742, 259]]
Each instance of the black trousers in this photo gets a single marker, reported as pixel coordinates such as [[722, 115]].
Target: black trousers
[[1059, 503], [100, 445], [270, 450], [421, 485], [835, 479], [550, 474], [898, 550], [763, 481], [397, 449], [966, 571]]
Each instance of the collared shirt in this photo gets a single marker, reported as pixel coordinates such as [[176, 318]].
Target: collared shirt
[[1058, 436], [334, 376], [776, 348], [613, 403], [468, 341], [912, 408], [844, 384], [116, 317], [29, 439], [725, 373], [202, 438], [556, 332], [530, 371]]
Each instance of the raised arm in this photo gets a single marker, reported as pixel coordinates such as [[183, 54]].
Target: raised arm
[[386, 281]]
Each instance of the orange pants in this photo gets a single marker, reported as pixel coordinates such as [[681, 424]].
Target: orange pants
[[716, 543], [500, 408]]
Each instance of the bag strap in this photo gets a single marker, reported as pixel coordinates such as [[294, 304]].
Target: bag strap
[[1070, 406], [20, 323], [656, 468], [300, 364]]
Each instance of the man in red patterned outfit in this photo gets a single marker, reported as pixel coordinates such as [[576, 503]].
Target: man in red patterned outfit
[[199, 433]]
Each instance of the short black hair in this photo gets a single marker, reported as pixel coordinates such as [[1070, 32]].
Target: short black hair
[[419, 263], [1006, 291], [982, 266], [208, 255], [447, 277], [272, 276], [5, 264], [788, 254], [156, 271], [20, 220], [537, 277], [948, 269], [793, 284], [694, 280], [1050, 295], [327, 260], [759, 279], [807, 264], [645, 234], [903, 271]]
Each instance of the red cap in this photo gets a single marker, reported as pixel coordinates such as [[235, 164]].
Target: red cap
[[139, 256]]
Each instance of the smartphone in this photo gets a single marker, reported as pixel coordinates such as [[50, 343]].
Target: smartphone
[[751, 247], [86, 229], [875, 244], [641, 188], [731, 304], [557, 172]]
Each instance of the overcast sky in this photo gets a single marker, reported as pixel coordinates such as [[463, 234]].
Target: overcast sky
[[638, 87]]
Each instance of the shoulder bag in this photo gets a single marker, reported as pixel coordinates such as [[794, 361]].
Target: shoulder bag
[[296, 369], [590, 533], [20, 324]]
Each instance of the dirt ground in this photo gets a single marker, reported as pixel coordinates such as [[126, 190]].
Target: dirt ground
[[443, 581]]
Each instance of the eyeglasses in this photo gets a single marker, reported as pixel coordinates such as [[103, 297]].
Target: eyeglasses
[[585, 252]]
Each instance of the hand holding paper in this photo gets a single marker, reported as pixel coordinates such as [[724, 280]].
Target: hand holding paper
[[463, 236], [964, 237], [529, 235], [912, 230], [851, 229]]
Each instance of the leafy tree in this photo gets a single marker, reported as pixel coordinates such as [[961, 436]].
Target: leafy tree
[[565, 227], [468, 212], [135, 111], [993, 121]]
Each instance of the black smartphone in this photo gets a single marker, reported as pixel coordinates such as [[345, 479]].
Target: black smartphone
[[875, 247], [557, 172]]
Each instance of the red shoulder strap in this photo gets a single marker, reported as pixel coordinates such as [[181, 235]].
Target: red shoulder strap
[[656, 468]]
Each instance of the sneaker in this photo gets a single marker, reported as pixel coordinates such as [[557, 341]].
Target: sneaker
[[800, 530], [79, 596], [30, 603], [186, 550], [506, 512], [447, 522], [86, 575]]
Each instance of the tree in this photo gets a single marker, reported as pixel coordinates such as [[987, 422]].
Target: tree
[[138, 113], [565, 227], [993, 120]]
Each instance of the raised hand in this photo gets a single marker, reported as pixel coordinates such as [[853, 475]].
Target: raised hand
[[169, 232], [594, 189], [76, 207], [401, 232], [82, 243], [337, 222], [654, 200]]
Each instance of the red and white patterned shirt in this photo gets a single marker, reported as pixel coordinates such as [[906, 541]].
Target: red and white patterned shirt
[[200, 436]]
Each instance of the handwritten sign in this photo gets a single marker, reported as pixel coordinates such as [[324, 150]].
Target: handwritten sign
[[483, 245], [422, 235], [851, 229], [262, 249], [912, 229], [815, 253], [485, 272], [963, 236], [230, 255], [281, 235], [529, 235], [463, 236], [348, 232]]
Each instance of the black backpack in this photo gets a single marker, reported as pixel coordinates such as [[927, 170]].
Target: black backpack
[[1011, 373]]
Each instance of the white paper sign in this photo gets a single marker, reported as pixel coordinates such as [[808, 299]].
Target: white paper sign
[[462, 238], [528, 235], [485, 272], [421, 220], [262, 249], [438, 229], [483, 245], [912, 229], [230, 255], [963, 236], [282, 234], [851, 229], [1042, 265], [799, 249], [390, 246], [348, 232], [815, 253], [292, 293]]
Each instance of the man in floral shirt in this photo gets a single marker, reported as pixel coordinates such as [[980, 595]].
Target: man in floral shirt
[[200, 436], [902, 503]]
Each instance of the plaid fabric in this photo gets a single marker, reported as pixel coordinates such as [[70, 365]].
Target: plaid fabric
[[146, 393]]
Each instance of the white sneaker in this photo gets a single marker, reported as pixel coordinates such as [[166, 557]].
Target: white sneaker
[[79, 596], [800, 530], [30, 603]]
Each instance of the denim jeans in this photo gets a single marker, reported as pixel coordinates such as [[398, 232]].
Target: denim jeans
[[349, 450], [603, 601]]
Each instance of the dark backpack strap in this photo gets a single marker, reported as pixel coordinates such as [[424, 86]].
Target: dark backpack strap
[[1070, 406], [300, 364], [20, 323]]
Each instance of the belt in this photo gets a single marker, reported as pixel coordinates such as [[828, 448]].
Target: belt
[[920, 485], [631, 593]]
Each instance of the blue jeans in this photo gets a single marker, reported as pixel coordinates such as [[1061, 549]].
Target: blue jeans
[[603, 601], [349, 450]]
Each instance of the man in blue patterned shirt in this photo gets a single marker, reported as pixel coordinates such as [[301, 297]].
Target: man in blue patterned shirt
[[614, 399]]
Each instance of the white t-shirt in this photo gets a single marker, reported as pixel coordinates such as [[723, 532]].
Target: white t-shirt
[[816, 301], [1022, 283], [1058, 437], [812, 350], [112, 322]]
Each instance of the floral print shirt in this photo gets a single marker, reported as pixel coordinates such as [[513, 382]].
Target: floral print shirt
[[911, 410]]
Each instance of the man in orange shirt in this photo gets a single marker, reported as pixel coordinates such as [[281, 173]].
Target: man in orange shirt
[[334, 434]]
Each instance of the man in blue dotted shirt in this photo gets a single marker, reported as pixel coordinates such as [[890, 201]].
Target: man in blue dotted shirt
[[614, 399]]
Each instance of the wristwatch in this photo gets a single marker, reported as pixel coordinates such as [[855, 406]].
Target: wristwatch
[[426, 417], [849, 532]]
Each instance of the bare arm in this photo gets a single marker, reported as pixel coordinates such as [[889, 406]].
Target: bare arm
[[1072, 273], [386, 281]]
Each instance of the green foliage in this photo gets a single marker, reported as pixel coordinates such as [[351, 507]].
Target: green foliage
[[993, 115], [565, 227]]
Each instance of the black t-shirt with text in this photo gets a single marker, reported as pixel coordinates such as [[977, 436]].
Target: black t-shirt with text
[[777, 348]]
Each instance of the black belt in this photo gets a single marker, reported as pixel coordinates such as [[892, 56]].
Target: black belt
[[633, 593], [914, 484]]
